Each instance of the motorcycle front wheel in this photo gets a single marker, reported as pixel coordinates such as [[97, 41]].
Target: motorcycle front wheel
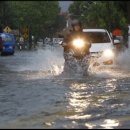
[[73, 65]]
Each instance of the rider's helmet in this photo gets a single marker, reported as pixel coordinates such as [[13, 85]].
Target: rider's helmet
[[76, 22]]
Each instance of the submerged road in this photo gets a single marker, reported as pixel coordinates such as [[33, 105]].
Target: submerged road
[[35, 94]]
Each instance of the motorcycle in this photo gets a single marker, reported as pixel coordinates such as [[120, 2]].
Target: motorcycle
[[21, 46], [77, 56]]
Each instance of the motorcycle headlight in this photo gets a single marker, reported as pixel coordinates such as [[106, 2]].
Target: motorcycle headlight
[[108, 53], [78, 43]]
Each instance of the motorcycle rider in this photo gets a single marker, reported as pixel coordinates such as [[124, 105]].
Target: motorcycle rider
[[76, 32], [21, 43]]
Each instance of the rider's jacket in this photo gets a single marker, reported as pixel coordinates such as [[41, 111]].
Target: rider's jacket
[[73, 35]]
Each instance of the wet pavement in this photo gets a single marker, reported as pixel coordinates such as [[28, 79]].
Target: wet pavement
[[35, 94]]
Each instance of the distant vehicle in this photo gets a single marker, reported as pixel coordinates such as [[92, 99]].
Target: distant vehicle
[[8, 43], [102, 46]]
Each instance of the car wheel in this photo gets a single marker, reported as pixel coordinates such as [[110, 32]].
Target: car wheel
[[12, 53]]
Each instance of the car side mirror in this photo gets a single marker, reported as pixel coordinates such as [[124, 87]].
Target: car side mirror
[[116, 41]]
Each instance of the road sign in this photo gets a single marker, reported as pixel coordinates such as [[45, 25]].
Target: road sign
[[25, 35], [7, 29], [25, 30]]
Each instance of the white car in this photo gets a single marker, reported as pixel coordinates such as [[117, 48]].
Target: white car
[[102, 46]]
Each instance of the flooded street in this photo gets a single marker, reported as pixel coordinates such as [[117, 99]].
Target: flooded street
[[35, 94]]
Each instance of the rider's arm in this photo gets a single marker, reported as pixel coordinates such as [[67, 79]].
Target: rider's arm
[[66, 41]]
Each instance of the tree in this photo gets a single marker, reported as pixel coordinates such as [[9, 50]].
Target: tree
[[39, 16], [5, 14], [121, 5], [101, 14]]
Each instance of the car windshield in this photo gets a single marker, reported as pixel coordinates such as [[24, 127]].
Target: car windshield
[[6, 38], [98, 37]]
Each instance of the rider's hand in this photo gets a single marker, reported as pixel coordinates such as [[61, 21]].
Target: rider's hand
[[64, 44]]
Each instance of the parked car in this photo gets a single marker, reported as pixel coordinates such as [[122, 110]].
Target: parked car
[[8, 43], [102, 46]]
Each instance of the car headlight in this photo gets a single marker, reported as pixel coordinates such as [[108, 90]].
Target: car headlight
[[108, 53], [78, 43]]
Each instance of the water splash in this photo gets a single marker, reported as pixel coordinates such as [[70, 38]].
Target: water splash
[[119, 69], [48, 60], [124, 59]]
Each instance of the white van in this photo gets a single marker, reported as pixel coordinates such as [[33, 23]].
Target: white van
[[102, 47]]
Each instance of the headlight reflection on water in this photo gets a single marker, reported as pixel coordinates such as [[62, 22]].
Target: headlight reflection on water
[[109, 123], [106, 124], [92, 106], [78, 101]]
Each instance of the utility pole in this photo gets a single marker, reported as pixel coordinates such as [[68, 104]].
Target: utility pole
[[68, 25], [68, 21]]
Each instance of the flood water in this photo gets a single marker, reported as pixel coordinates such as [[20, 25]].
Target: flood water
[[34, 93]]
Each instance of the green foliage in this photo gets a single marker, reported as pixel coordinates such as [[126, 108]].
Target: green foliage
[[5, 14], [101, 14], [39, 16], [36, 15]]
